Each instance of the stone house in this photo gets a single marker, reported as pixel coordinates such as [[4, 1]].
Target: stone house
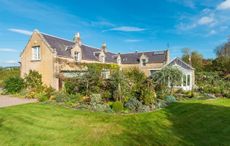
[[52, 56]]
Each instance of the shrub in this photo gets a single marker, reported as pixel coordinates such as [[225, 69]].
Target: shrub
[[13, 84], [95, 104], [42, 96], [133, 104], [70, 87], [6, 73], [60, 97], [33, 81], [144, 108], [148, 96], [74, 98], [106, 95], [161, 103], [95, 98], [117, 106], [170, 99]]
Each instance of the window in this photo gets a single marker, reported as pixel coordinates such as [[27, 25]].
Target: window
[[188, 80], [36, 53], [102, 58], [77, 56], [118, 60], [143, 62], [184, 80]]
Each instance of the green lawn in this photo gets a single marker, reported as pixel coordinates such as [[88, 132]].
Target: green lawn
[[204, 123]]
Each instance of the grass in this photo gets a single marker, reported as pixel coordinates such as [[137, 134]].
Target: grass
[[198, 122]]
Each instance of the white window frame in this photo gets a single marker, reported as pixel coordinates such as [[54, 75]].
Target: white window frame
[[36, 53], [143, 62], [77, 56], [102, 58]]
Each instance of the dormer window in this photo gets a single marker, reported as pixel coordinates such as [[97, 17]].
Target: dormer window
[[102, 58], [118, 60], [77, 56], [143, 62], [36, 53]]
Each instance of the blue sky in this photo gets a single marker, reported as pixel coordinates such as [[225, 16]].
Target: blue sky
[[125, 25]]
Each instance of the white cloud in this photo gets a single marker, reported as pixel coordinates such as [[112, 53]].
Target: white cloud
[[212, 32], [224, 5], [7, 50], [206, 20], [127, 29], [21, 31], [132, 40]]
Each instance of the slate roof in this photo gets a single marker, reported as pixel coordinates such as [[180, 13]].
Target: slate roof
[[63, 48], [153, 57], [181, 63]]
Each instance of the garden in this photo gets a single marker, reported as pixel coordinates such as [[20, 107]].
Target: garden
[[124, 91]]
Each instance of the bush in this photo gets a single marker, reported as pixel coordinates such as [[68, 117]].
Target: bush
[[74, 98], [117, 106], [13, 84], [95, 98], [60, 97], [133, 104], [170, 99], [33, 81], [161, 103], [148, 96], [6, 73], [42, 96], [144, 108], [70, 87]]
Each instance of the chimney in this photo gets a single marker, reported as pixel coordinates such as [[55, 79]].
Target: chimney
[[77, 38], [104, 47], [167, 56], [119, 58]]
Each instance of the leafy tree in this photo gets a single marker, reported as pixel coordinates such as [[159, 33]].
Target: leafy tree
[[222, 64], [186, 55], [193, 58], [168, 76], [223, 50], [197, 60]]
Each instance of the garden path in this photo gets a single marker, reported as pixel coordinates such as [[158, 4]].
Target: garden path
[[6, 100]]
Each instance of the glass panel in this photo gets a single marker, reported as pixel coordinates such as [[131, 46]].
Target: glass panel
[[184, 80], [188, 80], [143, 62], [36, 53]]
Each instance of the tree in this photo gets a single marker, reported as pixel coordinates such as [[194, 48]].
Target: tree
[[197, 60], [186, 55], [193, 58], [223, 50], [168, 76], [222, 64]]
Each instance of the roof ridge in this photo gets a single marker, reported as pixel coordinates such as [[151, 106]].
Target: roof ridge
[[57, 37], [69, 40], [142, 52]]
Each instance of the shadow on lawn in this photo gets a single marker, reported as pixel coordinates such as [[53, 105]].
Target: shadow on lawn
[[180, 124]]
